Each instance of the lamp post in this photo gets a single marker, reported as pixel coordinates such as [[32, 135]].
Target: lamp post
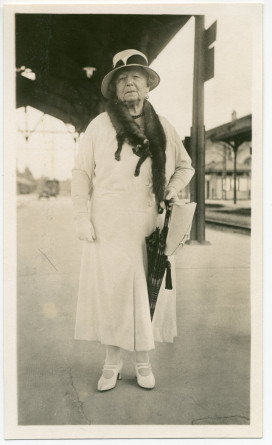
[[235, 145]]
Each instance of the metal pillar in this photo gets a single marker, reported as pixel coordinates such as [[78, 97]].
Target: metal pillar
[[198, 135], [26, 125], [235, 176], [224, 172], [235, 145], [76, 138]]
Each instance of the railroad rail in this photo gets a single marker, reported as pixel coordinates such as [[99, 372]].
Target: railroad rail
[[229, 225]]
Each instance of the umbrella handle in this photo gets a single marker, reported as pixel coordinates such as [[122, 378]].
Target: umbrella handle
[[168, 213], [167, 204]]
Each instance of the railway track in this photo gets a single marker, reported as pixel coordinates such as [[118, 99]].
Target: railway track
[[228, 225]]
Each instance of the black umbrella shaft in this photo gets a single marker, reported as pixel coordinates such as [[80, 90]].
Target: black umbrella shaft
[[167, 217]]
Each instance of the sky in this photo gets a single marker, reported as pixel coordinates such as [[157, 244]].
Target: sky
[[52, 154], [229, 90]]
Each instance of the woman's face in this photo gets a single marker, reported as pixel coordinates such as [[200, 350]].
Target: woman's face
[[131, 86]]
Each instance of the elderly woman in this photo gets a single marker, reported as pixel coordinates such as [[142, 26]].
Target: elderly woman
[[130, 160]]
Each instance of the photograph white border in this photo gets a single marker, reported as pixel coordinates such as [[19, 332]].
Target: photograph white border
[[12, 430]]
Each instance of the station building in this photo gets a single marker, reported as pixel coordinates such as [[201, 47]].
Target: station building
[[228, 150]]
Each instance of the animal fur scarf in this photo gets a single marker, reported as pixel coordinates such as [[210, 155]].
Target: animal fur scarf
[[151, 142]]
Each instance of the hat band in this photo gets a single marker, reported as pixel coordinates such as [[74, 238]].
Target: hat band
[[135, 59]]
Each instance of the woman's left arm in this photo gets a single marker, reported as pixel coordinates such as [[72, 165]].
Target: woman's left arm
[[183, 170]]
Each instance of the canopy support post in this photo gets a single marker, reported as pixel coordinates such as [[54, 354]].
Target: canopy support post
[[198, 136]]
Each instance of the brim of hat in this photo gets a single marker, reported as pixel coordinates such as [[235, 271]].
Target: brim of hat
[[154, 78]]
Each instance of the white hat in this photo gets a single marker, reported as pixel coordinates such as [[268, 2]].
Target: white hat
[[123, 59]]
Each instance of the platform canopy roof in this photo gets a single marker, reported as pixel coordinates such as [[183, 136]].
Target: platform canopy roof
[[217, 167], [235, 132], [57, 48]]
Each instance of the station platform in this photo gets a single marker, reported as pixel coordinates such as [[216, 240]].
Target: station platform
[[229, 214], [217, 211], [203, 378]]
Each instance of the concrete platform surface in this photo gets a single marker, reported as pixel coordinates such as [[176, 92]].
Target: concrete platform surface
[[225, 212], [202, 378]]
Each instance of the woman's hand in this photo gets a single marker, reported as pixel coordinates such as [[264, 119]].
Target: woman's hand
[[85, 230], [171, 196]]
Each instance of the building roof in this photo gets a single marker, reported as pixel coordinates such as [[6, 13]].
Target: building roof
[[236, 131], [57, 48], [218, 166]]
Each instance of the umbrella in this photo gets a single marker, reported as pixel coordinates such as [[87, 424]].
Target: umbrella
[[157, 262]]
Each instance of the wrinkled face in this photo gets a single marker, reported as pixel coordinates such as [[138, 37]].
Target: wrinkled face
[[131, 85]]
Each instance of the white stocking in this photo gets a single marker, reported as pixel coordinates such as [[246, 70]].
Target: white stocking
[[143, 357], [112, 358]]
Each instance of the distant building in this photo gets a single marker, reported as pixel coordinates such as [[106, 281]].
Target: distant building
[[228, 160], [25, 182]]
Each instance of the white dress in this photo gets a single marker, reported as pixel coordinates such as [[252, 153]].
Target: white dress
[[113, 305]]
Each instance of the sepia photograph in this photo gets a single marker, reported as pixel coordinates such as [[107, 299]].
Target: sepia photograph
[[133, 238]]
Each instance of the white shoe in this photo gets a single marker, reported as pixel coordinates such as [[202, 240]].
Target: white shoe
[[145, 381], [104, 384]]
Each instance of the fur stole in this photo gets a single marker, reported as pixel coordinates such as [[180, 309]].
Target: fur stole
[[151, 142]]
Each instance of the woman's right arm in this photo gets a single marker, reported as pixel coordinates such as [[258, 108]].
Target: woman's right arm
[[81, 186]]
